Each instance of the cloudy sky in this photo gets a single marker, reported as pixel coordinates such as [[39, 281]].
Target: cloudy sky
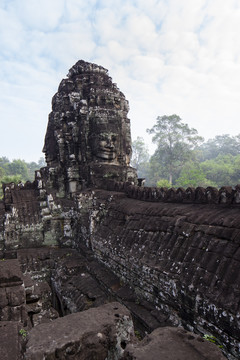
[[167, 56]]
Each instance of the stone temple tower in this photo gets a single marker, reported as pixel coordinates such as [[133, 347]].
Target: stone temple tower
[[88, 138]]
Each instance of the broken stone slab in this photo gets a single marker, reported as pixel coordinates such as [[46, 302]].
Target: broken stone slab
[[10, 340], [173, 344], [99, 333]]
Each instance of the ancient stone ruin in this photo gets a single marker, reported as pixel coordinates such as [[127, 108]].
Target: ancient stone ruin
[[88, 135], [93, 266]]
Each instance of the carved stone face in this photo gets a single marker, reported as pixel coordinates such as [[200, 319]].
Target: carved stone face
[[88, 126], [105, 146]]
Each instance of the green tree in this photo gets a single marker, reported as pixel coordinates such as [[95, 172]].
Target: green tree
[[140, 157], [3, 161], [156, 171], [11, 178], [175, 143], [17, 167], [2, 172], [193, 175], [18, 170], [8, 179], [220, 145], [163, 183], [223, 170]]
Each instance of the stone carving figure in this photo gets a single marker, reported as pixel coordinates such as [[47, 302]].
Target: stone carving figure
[[88, 135]]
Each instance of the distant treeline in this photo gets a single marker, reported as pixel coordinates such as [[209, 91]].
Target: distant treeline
[[18, 170], [183, 159]]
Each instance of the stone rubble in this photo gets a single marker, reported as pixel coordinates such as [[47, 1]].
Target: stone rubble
[[84, 235]]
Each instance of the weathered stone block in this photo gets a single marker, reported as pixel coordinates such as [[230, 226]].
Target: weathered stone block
[[97, 333], [10, 340], [171, 344], [3, 298], [16, 295], [10, 273]]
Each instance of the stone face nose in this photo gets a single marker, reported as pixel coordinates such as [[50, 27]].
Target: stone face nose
[[110, 144]]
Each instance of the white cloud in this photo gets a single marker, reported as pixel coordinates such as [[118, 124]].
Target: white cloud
[[79, 9], [11, 34], [42, 15], [167, 56]]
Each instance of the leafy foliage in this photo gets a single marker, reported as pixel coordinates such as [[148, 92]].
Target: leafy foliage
[[17, 170], [175, 143], [17, 167], [223, 170], [193, 175], [213, 340], [23, 333], [220, 145], [163, 183], [181, 161]]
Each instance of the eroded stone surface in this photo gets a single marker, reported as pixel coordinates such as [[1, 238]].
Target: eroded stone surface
[[183, 258], [100, 333], [74, 287], [12, 292], [177, 249], [22, 222], [172, 344], [88, 136], [78, 282], [10, 340], [10, 273]]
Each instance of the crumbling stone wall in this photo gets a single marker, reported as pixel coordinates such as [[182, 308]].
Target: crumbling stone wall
[[22, 220], [184, 258], [181, 257], [12, 293], [177, 249], [102, 333]]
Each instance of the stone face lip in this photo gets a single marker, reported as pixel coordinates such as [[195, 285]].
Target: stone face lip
[[97, 333], [88, 136], [173, 344]]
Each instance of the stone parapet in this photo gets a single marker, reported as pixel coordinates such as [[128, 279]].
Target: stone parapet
[[226, 195]]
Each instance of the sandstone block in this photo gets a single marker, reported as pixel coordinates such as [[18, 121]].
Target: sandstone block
[[10, 273], [97, 333], [10, 340], [173, 344]]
